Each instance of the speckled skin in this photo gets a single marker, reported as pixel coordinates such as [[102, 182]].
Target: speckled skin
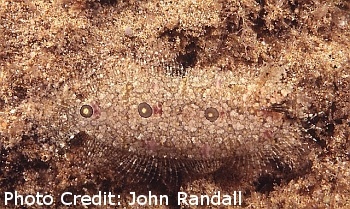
[[249, 126], [180, 130]]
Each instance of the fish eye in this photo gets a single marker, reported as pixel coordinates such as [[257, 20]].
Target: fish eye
[[211, 114], [86, 111], [145, 110]]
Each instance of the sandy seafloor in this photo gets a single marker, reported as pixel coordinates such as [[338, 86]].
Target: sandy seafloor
[[43, 44]]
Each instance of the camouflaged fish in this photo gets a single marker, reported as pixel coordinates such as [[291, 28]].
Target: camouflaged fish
[[144, 121]]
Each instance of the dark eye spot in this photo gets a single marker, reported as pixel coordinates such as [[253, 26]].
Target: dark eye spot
[[145, 110], [211, 114], [86, 111]]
